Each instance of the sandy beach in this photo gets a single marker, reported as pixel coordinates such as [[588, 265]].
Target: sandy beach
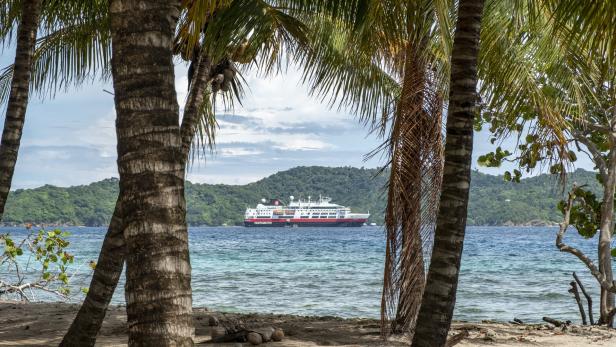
[[43, 324]]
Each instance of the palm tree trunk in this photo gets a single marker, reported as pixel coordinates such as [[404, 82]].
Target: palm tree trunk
[[194, 100], [18, 97], [439, 296], [90, 317], [151, 168], [108, 269]]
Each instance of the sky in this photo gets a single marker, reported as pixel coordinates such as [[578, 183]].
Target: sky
[[70, 139]]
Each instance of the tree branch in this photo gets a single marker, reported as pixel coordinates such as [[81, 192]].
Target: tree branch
[[596, 155], [594, 270], [593, 126], [19, 289], [578, 300], [588, 298]]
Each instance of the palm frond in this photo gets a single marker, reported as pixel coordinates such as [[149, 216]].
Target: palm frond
[[207, 125], [71, 56], [6, 76], [414, 147], [254, 32], [73, 48], [10, 12], [342, 75], [588, 23]]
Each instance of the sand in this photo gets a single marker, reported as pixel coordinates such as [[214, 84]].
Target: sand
[[44, 324]]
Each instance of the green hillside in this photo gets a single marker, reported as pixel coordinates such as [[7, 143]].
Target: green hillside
[[493, 201]]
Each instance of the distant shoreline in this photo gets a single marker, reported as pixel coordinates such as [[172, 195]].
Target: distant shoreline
[[537, 224], [492, 201]]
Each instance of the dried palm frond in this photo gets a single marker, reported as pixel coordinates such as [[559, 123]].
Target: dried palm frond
[[415, 152]]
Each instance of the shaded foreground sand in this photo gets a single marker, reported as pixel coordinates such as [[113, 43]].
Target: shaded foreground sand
[[43, 324]]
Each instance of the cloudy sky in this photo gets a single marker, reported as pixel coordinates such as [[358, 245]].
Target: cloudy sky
[[70, 139]]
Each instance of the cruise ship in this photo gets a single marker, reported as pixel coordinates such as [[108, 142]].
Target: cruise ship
[[299, 213]]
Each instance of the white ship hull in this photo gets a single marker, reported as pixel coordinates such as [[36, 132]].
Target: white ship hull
[[321, 213]]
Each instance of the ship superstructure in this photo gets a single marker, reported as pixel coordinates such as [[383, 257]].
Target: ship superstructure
[[322, 212]]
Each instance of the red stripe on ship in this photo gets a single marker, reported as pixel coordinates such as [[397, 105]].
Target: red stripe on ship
[[306, 220]]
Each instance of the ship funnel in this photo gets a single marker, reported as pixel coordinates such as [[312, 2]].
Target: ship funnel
[[291, 197], [263, 200]]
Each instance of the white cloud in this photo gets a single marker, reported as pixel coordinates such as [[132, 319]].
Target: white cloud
[[237, 152], [235, 178], [302, 143], [72, 140]]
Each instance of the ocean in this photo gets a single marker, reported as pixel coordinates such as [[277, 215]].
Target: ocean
[[506, 272]]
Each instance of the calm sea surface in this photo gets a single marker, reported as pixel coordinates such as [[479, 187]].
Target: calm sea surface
[[506, 272]]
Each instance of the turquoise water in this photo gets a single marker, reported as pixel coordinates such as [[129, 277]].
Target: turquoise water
[[506, 272]]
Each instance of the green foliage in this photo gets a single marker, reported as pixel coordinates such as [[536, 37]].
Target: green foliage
[[39, 261], [533, 199], [90, 205], [207, 204], [585, 212], [494, 159]]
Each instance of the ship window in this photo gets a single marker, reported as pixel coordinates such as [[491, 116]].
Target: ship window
[[304, 217]]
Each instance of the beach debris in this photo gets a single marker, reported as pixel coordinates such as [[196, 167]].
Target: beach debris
[[239, 333], [278, 334], [213, 321], [266, 333], [254, 338], [457, 338], [553, 321], [587, 296], [549, 326], [218, 332], [490, 335], [576, 294]]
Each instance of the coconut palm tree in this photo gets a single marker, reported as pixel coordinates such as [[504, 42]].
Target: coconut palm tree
[[18, 96], [509, 86], [198, 119], [440, 292], [158, 272], [274, 27], [276, 31]]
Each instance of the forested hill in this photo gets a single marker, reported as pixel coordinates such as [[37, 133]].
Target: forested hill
[[493, 201]]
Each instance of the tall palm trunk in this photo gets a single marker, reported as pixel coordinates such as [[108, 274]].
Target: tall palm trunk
[[107, 272], [18, 97], [90, 317], [606, 228], [440, 292], [151, 168]]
